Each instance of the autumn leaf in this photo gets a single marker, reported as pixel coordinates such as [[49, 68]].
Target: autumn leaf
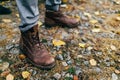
[[40, 23], [21, 56], [113, 47], [9, 77], [75, 77], [25, 74], [82, 45], [96, 30], [93, 62], [6, 20], [17, 15], [58, 42], [118, 18], [87, 14], [97, 13], [93, 21]]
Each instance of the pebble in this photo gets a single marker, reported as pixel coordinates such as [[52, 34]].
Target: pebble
[[69, 62], [14, 50], [86, 63], [78, 70], [97, 69], [67, 75], [64, 64], [84, 18], [9, 46], [4, 66], [59, 57], [63, 74], [2, 37], [114, 76], [57, 76]]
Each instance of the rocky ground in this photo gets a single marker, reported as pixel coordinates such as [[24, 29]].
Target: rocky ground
[[89, 52]]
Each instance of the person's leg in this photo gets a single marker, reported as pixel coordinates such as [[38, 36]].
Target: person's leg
[[29, 13], [53, 5], [30, 44], [55, 17]]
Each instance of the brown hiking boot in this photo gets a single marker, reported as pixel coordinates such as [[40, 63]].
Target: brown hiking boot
[[34, 50], [57, 18]]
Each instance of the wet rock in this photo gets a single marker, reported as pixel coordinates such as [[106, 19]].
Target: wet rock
[[63, 74], [107, 64], [99, 53], [59, 57], [4, 66], [9, 46], [64, 64], [2, 37], [86, 63], [97, 69], [114, 76], [78, 70], [69, 62], [14, 50], [84, 18]]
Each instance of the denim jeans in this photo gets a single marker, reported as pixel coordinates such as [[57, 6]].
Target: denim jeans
[[29, 13]]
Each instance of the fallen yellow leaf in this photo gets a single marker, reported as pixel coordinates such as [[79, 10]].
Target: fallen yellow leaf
[[82, 45], [117, 71], [113, 47], [25, 74], [118, 18], [58, 42], [40, 23], [6, 20], [93, 21], [21, 56], [97, 13], [9, 77], [93, 62], [87, 14], [96, 30], [17, 15]]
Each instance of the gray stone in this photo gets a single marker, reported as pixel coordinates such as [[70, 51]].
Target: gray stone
[[59, 57], [114, 76], [64, 64], [57, 76], [86, 63], [69, 62], [97, 69]]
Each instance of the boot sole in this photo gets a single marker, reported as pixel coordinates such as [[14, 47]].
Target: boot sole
[[47, 67]]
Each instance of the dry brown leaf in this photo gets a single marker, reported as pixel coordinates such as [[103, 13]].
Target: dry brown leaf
[[117, 71], [75, 77], [21, 56]]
